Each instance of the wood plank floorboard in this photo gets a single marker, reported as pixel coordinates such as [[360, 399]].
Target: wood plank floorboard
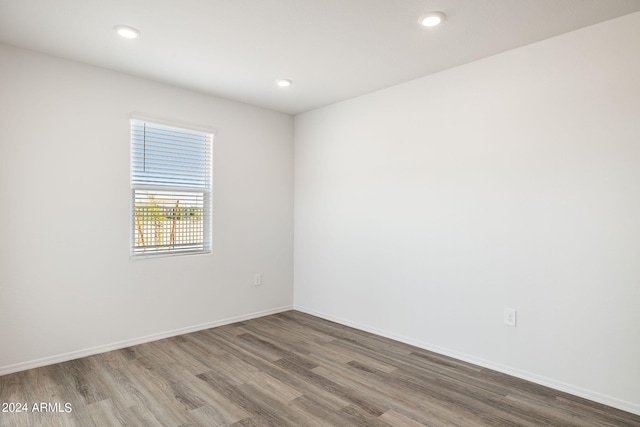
[[288, 369]]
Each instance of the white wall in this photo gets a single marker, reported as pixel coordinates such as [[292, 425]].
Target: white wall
[[67, 287], [423, 210]]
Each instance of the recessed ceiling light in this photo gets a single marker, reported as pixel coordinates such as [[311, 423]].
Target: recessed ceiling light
[[126, 31], [284, 82], [432, 19]]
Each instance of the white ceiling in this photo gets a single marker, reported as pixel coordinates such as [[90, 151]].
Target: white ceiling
[[331, 49]]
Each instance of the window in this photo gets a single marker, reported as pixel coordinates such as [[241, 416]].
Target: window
[[170, 189]]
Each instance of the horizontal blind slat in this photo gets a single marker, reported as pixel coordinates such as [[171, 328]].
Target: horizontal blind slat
[[165, 130], [158, 171], [148, 144], [167, 156]]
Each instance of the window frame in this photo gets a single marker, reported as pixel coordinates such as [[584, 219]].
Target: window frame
[[207, 190]]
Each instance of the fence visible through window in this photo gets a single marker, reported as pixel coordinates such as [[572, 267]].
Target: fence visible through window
[[168, 221]]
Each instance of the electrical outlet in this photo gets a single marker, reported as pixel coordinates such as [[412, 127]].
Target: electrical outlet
[[257, 280], [510, 317]]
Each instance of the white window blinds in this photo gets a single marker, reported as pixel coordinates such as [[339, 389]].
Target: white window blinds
[[170, 189]]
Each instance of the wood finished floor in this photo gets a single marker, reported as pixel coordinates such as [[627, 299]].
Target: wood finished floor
[[288, 369]]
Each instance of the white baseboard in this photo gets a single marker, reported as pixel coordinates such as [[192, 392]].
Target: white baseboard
[[624, 405], [22, 366]]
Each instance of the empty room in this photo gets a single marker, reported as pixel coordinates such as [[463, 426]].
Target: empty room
[[319, 213]]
